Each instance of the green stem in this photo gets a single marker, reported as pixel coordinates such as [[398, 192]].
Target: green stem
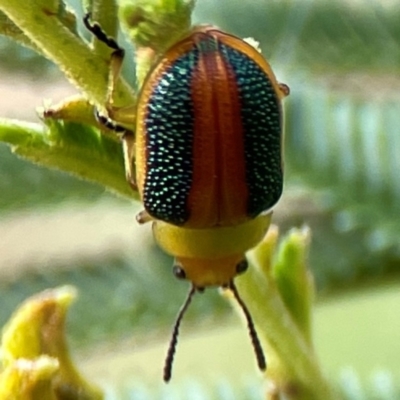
[[296, 371], [9, 29], [85, 69]]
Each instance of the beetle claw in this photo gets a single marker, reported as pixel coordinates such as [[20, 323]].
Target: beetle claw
[[143, 217]]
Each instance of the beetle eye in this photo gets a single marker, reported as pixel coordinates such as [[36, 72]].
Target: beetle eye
[[242, 266], [178, 272]]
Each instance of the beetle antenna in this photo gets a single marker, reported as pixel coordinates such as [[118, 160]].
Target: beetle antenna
[[175, 332], [250, 324]]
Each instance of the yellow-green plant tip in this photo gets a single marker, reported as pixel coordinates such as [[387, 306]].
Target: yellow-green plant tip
[[262, 255], [29, 380], [27, 333], [74, 109], [293, 278], [153, 26], [37, 329], [156, 23], [63, 295]]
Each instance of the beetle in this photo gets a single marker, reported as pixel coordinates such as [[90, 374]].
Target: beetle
[[207, 154]]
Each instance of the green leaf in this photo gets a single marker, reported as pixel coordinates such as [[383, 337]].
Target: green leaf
[[76, 148]]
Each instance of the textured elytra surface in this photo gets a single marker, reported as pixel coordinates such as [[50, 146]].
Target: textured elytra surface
[[169, 127], [170, 120], [261, 119]]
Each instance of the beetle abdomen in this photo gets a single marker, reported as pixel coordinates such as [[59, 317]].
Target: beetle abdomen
[[209, 133]]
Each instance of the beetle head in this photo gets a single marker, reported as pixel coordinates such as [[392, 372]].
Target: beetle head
[[210, 256], [209, 272]]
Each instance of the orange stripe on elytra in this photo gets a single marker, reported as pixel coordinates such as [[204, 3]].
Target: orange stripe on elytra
[[218, 195]]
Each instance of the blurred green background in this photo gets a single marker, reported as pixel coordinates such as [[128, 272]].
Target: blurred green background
[[341, 60]]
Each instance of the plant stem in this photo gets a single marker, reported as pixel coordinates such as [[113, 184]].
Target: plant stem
[[297, 372], [85, 69]]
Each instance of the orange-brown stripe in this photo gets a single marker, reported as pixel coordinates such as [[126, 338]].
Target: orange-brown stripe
[[219, 194]]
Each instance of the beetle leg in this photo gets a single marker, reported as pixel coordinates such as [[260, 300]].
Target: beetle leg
[[128, 146], [125, 115], [120, 114], [109, 123], [128, 150], [143, 217], [284, 89], [116, 60]]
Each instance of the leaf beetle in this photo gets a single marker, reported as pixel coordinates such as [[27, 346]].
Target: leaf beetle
[[207, 155]]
